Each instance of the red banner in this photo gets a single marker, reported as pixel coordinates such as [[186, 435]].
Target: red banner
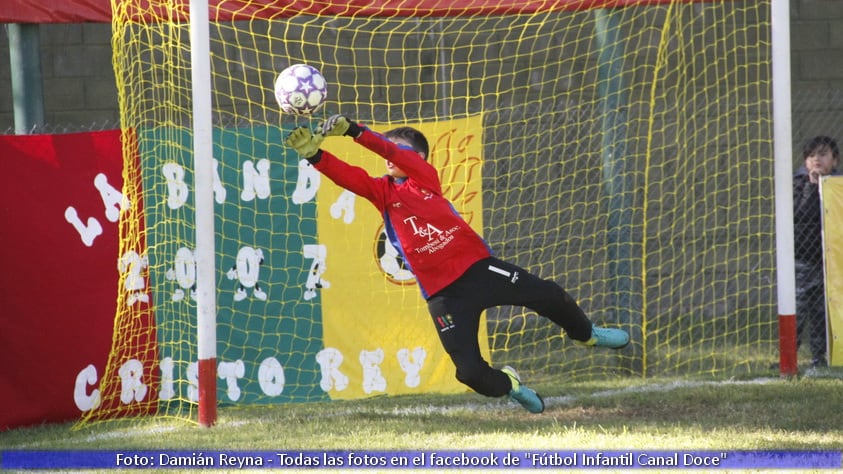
[[59, 206], [55, 11], [99, 11]]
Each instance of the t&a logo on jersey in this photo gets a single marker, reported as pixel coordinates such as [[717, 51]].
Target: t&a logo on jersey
[[428, 230]]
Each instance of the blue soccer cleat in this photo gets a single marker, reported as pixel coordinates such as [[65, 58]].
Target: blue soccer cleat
[[607, 337], [527, 397]]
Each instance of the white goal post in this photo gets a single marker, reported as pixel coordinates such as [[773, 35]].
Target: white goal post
[[206, 307], [782, 147]]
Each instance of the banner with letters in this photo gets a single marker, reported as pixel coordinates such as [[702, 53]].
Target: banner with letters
[[831, 189], [61, 201], [374, 316], [313, 303]]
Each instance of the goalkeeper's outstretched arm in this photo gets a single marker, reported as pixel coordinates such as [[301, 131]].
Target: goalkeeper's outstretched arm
[[395, 150], [353, 178]]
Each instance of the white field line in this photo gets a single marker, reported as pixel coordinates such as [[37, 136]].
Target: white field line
[[444, 410], [130, 433], [568, 399]]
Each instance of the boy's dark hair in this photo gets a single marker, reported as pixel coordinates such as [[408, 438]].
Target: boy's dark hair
[[818, 143], [415, 138]]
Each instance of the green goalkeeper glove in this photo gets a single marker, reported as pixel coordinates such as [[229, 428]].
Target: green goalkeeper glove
[[339, 125], [305, 142]]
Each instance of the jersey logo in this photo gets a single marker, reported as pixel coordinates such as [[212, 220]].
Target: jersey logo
[[513, 276], [445, 322], [423, 230]]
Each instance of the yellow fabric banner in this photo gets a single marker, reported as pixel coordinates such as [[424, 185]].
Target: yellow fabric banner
[[379, 337], [831, 189]]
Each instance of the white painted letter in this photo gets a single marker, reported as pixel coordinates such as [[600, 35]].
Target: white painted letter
[[177, 189], [255, 180], [411, 364], [193, 381], [330, 360], [319, 254], [219, 189], [271, 377], [131, 378], [230, 372], [167, 392], [89, 232], [113, 199], [184, 273], [246, 271], [131, 266], [85, 402], [373, 380], [307, 174], [344, 207]]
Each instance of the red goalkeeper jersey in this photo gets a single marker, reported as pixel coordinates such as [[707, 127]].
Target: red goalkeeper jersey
[[436, 243]]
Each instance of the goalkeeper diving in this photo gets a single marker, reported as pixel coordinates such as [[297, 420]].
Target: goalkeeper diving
[[456, 272]]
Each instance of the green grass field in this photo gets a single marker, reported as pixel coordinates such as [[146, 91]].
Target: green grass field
[[765, 413]]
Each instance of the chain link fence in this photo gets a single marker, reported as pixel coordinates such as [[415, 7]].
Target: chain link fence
[[816, 111], [60, 128]]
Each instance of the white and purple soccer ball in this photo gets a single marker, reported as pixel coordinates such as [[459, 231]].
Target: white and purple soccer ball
[[300, 89]]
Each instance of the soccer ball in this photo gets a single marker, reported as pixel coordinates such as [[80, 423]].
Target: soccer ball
[[300, 89]]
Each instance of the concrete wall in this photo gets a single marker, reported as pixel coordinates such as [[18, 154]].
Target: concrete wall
[[817, 68], [78, 78], [80, 93]]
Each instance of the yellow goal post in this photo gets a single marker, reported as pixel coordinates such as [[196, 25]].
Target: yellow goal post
[[622, 148]]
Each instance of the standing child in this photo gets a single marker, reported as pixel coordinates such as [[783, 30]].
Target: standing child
[[819, 155], [458, 276]]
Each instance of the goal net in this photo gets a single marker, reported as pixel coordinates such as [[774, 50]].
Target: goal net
[[620, 148]]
